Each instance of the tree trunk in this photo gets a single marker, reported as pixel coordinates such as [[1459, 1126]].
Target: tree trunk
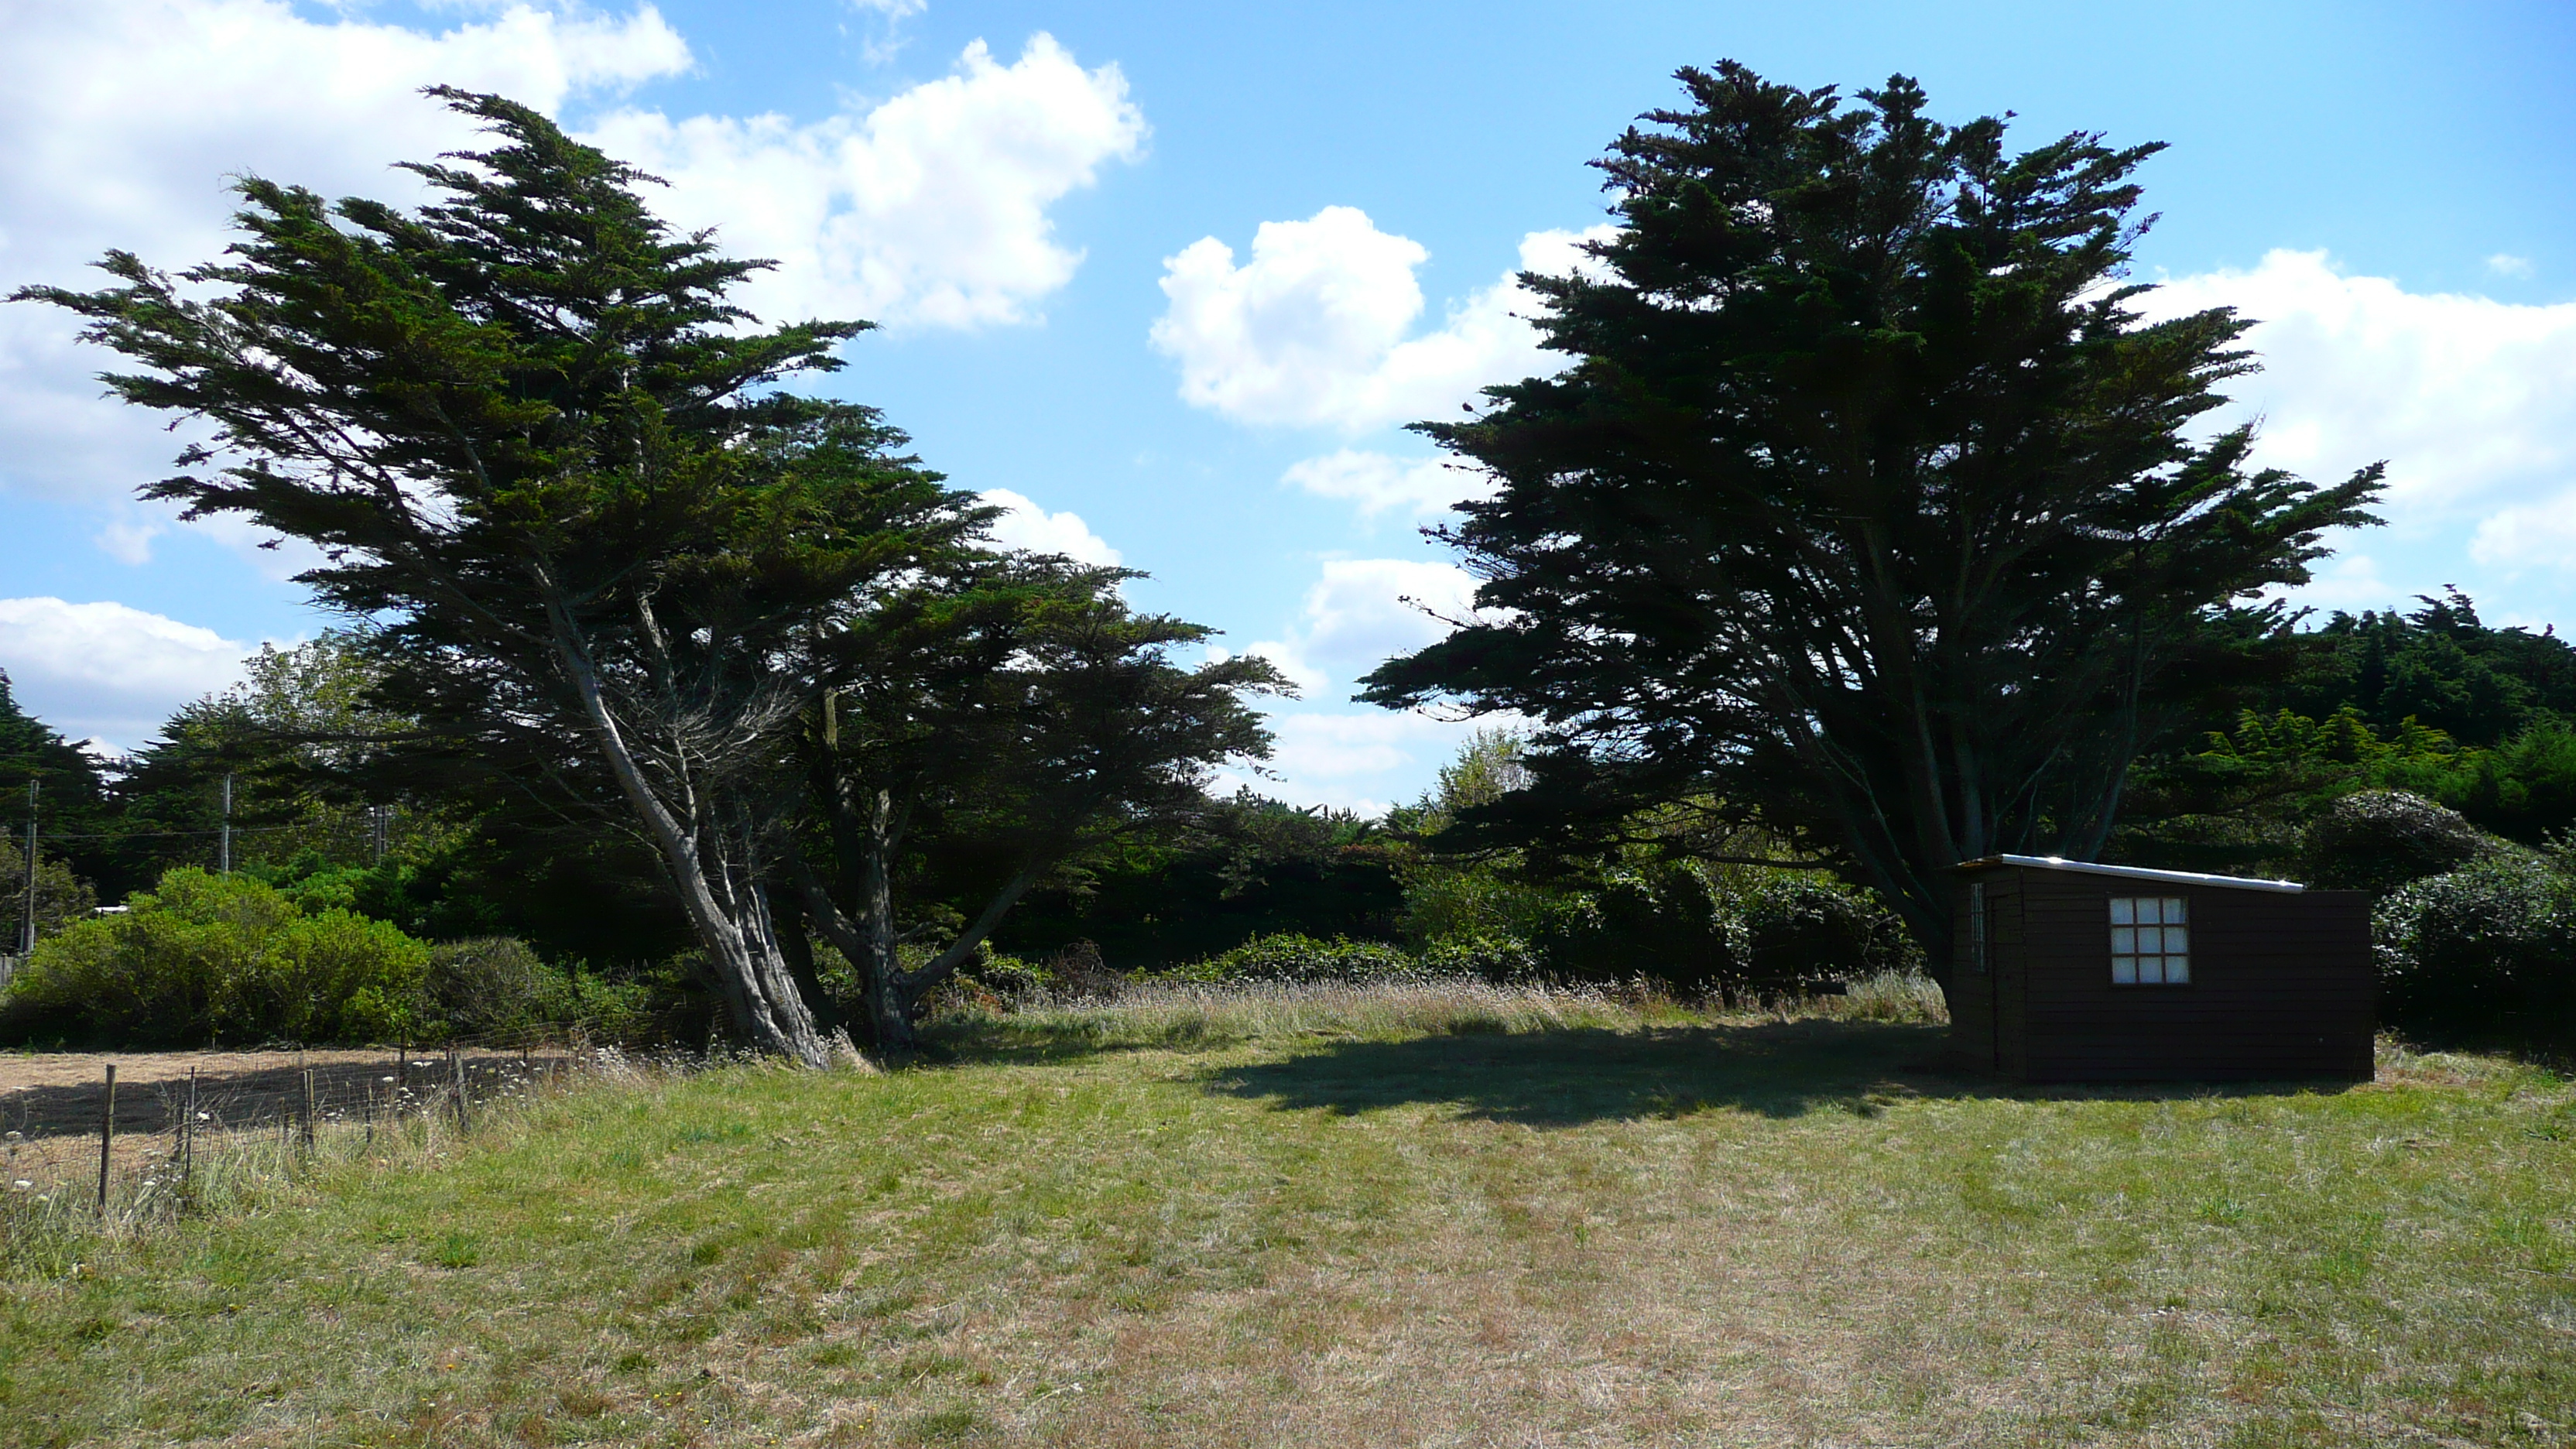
[[734, 928]]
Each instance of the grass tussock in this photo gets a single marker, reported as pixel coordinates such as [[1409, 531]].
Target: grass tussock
[[1428, 1213], [1189, 1014]]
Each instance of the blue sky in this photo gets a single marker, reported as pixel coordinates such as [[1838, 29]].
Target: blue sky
[[1171, 277]]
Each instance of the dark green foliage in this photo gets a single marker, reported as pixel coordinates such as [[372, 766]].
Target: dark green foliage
[[1866, 508], [496, 987], [2440, 666], [62, 898], [1017, 725], [2378, 840], [1737, 931], [548, 464], [31, 749], [2485, 954], [1289, 957], [1246, 866], [2434, 703]]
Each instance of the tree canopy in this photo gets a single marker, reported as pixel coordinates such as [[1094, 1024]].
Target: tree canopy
[[594, 550], [1867, 506]]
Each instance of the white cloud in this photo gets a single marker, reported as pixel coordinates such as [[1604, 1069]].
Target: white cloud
[[929, 209], [1311, 330], [1358, 613], [1365, 610], [109, 672], [124, 121], [2506, 264], [1379, 483], [2541, 534], [2471, 401], [1025, 525]]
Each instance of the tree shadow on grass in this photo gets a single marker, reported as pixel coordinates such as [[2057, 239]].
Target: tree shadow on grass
[[1569, 1077]]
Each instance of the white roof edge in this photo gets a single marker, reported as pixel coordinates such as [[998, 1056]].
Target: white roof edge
[[2139, 872]]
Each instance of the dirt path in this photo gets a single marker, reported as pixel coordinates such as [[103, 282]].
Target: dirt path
[[56, 1094]]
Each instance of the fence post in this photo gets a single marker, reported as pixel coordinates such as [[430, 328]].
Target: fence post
[[188, 1133], [456, 1070], [308, 1109], [106, 1137]]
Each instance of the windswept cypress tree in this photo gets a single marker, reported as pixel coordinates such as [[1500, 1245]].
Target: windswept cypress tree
[[1866, 507]]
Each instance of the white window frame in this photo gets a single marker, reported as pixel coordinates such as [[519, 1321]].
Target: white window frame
[[2151, 940]]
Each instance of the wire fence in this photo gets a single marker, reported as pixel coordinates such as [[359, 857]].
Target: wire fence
[[118, 1140]]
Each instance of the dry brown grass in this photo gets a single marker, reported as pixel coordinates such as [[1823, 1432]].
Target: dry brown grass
[[1429, 1216]]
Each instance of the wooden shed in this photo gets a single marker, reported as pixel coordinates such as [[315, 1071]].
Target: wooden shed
[[2066, 971]]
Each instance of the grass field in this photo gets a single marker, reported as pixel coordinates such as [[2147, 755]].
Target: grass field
[[1438, 1216]]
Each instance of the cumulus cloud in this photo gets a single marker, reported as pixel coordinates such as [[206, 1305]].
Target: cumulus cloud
[[1311, 330], [125, 120], [1380, 484], [1025, 525], [2506, 264], [2471, 401], [1365, 610], [108, 672], [929, 209], [1353, 761], [2539, 534]]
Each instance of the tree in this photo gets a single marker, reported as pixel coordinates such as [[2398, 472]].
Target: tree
[[987, 737], [544, 455], [1865, 505]]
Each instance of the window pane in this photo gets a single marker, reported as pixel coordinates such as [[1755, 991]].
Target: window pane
[[2124, 970], [2124, 911], [2151, 971], [2124, 940], [2177, 970], [2147, 912], [2173, 910]]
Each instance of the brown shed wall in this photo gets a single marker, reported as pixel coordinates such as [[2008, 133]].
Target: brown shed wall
[[2282, 985]]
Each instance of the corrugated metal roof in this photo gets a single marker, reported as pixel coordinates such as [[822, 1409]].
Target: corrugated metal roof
[[2131, 872]]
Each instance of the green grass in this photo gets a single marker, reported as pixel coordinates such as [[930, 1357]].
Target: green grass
[[1426, 1216]]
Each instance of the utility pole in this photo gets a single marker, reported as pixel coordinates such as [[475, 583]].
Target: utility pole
[[27, 935], [226, 865]]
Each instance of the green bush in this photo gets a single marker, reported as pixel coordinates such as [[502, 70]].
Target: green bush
[[2379, 840], [209, 958], [1737, 931], [2484, 953], [1287, 956], [1499, 959]]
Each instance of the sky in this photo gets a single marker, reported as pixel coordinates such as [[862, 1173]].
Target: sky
[[1167, 281]]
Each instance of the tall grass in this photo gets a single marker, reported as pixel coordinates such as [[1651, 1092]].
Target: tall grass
[[1181, 1013]]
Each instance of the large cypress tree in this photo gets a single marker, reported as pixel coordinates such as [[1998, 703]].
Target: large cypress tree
[[543, 457], [1867, 506]]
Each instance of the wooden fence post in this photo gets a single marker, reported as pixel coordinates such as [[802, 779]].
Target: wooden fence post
[[188, 1133], [106, 1137], [456, 1069], [308, 1109]]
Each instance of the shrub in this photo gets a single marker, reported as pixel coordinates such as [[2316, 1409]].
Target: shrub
[[2484, 952], [207, 958], [2379, 840], [1741, 931], [1499, 959], [497, 984], [1288, 956]]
